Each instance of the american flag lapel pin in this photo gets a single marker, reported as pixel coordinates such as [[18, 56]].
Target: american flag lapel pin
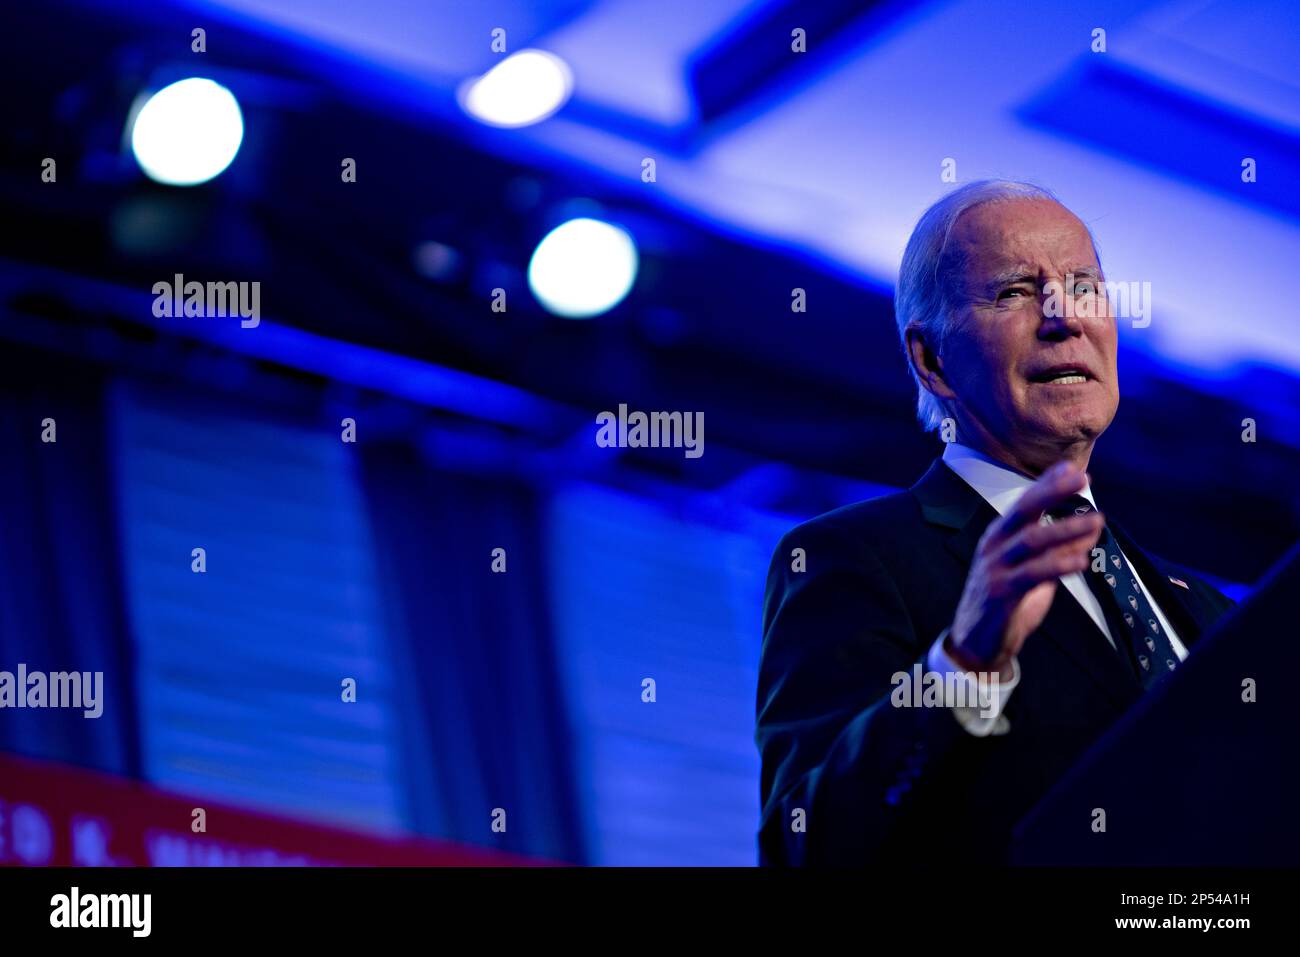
[[1179, 582]]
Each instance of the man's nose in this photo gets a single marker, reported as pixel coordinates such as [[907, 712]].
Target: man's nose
[[1058, 318]]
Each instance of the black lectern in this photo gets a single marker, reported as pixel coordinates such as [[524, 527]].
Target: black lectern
[[1196, 773]]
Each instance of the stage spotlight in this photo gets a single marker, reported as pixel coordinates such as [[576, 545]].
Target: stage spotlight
[[437, 261], [524, 88], [582, 268], [188, 132]]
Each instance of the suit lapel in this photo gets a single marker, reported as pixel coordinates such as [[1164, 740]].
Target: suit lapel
[[1076, 635], [947, 500]]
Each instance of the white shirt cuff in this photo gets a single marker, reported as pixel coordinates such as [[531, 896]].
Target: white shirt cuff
[[976, 705]]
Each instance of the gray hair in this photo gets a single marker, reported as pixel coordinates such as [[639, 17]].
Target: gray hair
[[922, 296]]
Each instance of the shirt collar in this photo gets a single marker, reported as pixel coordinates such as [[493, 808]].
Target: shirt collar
[[998, 485]]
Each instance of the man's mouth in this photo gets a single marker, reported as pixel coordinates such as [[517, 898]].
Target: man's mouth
[[1063, 375]]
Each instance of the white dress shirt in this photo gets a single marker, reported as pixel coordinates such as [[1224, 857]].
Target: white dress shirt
[[1002, 487]]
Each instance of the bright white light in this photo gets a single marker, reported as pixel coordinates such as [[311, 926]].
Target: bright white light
[[583, 268], [188, 132], [524, 88]]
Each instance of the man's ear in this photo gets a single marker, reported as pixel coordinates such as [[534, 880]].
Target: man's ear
[[926, 363]]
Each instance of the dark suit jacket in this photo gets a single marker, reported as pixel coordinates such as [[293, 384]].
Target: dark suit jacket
[[909, 786]]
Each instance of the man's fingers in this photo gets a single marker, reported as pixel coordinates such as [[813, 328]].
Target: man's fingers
[[1051, 564], [1034, 539], [1052, 488]]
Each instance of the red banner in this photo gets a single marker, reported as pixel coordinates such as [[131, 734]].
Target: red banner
[[52, 814]]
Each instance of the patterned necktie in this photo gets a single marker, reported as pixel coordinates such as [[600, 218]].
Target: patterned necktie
[[1147, 643]]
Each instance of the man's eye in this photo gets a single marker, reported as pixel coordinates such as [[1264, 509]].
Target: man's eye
[[1013, 291], [1085, 289]]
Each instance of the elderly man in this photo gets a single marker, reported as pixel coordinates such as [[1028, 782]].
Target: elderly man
[[995, 573]]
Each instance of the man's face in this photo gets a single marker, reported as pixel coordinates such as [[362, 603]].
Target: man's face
[[1005, 358]]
